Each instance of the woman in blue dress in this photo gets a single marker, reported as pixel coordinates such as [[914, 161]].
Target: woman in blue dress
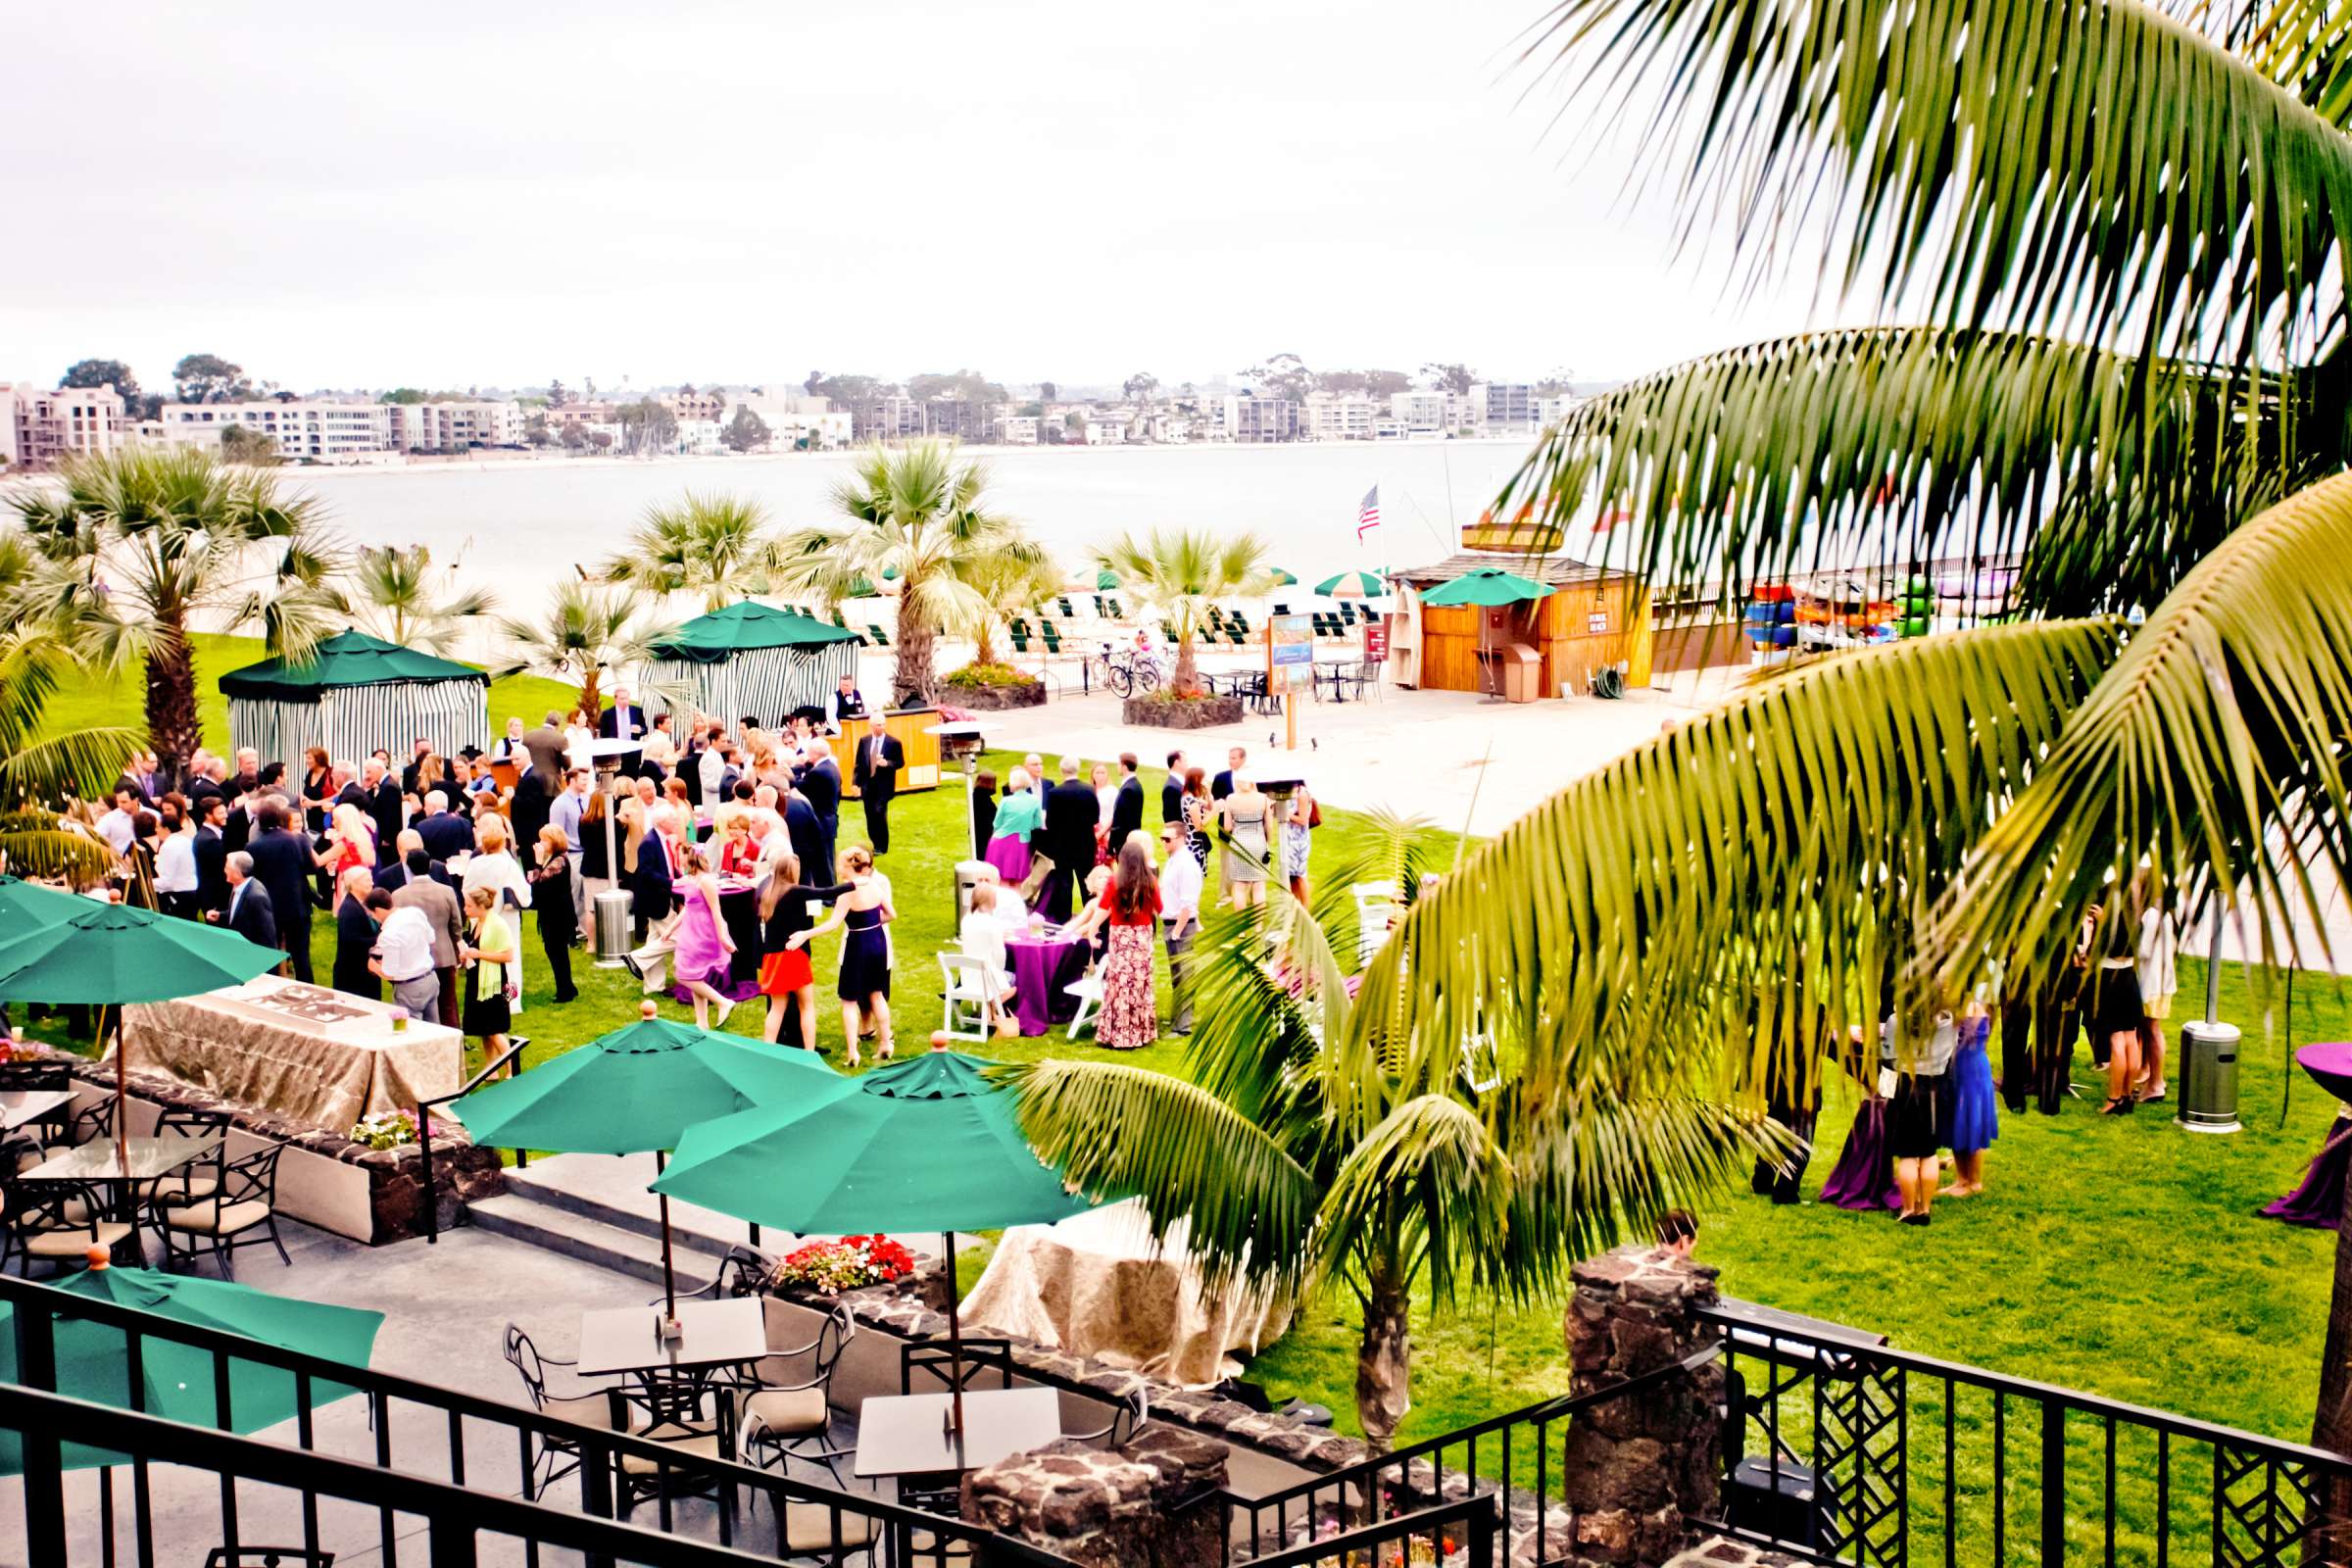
[[1976, 1116]]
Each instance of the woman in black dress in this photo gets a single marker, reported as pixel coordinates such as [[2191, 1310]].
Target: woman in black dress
[[864, 955], [550, 906]]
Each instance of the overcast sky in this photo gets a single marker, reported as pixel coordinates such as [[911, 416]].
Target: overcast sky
[[494, 194]]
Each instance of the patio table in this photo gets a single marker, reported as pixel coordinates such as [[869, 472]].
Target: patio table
[[627, 1339], [1041, 971], [906, 1433], [20, 1105]]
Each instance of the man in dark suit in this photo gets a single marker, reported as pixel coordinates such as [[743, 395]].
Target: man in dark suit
[[283, 862], [1071, 812], [820, 781], [423, 889], [212, 854], [807, 834], [625, 720], [445, 833], [1171, 789], [1222, 785], [849, 704], [876, 772], [1127, 809], [248, 913], [378, 795], [549, 756], [355, 937]]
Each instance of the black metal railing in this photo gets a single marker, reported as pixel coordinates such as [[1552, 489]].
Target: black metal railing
[[1851, 1452], [424, 1134], [1466, 1532], [413, 1433], [1515, 1459]]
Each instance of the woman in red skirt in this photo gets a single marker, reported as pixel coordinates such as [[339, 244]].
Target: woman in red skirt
[[787, 909]]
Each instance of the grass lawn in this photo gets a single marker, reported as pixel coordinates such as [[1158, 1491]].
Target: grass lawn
[[2120, 1257]]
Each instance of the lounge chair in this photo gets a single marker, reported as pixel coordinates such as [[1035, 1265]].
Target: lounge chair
[[874, 636]]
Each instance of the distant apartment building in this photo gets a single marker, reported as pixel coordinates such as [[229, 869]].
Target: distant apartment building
[[39, 426], [1253, 420], [1553, 410], [1105, 429], [443, 426], [694, 405], [317, 430], [1500, 406], [1422, 413], [1018, 430], [700, 438], [958, 420], [795, 423], [578, 413], [1339, 416], [892, 419]]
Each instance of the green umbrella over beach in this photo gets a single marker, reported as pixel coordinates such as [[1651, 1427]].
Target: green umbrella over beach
[[927, 1144], [1353, 585], [1283, 579], [639, 1090], [176, 1378], [1490, 586]]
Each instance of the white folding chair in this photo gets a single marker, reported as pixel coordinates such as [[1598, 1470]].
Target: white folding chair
[[1088, 989], [1377, 908], [968, 991]]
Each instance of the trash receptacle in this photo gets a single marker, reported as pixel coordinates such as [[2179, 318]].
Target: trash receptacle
[[1521, 674], [2206, 1077], [612, 916], [967, 877]]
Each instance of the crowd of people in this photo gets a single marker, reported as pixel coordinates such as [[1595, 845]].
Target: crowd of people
[[421, 863]]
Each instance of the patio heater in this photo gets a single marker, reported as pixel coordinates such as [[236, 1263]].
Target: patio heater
[[610, 914], [2209, 1054]]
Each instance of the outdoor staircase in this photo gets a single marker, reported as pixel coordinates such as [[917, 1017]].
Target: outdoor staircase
[[595, 1207]]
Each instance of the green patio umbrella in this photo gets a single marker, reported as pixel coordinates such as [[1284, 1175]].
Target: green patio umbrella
[[1283, 579], [1353, 585], [1488, 587], [111, 955], [93, 1358], [27, 907], [1106, 581], [929, 1145], [638, 1089]]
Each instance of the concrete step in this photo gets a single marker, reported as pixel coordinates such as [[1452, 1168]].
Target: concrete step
[[610, 1189], [523, 1219]]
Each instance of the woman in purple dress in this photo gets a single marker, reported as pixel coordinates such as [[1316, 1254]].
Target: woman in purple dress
[[705, 950]]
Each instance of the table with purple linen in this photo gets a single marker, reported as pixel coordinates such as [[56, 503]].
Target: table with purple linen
[[2318, 1201], [1043, 971]]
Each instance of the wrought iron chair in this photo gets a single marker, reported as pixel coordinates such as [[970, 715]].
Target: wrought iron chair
[[560, 1457], [54, 1223], [676, 1423], [813, 1532], [242, 1212], [200, 1179], [1127, 1418], [267, 1558], [796, 1418]]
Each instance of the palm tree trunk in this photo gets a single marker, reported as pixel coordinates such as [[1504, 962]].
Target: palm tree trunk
[[2329, 1531], [592, 699], [1384, 1362], [984, 643], [1187, 679], [171, 725], [916, 684]]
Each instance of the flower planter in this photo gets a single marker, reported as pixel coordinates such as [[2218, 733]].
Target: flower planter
[[1181, 713], [995, 698]]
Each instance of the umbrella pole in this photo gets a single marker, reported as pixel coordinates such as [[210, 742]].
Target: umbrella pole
[[947, 1240], [669, 1277], [122, 1098]]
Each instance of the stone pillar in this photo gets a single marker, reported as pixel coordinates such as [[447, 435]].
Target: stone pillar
[[1104, 1508], [1639, 1466]]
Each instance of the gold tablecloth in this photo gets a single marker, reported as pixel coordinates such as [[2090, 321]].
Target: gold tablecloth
[[1093, 1285], [311, 1054]]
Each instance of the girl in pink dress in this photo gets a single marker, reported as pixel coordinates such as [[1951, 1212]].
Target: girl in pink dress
[[703, 947]]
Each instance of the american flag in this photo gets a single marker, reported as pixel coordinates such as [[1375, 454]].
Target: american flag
[[1367, 515]]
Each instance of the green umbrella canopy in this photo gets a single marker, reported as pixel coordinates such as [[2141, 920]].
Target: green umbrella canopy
[[112, 953], [1353, 585], [27, 907], [740, 627], [347, 658], [926, 1144], [93, 1358], [1485, 586], [640, 1088], [1106, 581], [1283, 579]]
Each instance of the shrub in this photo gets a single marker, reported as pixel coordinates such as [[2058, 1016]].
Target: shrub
[[386, 1129], [988, 675], [844, 1265]]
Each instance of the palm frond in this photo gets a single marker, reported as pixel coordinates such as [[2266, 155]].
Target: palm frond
[[1738, 879], [2215, 744], [33, 844], [2092, 169], [1117, 1130], [2110, 476], [1429, 1179]]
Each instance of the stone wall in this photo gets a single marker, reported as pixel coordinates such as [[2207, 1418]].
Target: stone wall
[[1638, 1467], [1109, 1508], [391, 1209]]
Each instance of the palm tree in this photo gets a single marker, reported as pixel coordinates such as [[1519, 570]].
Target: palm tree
[[918, 513], [39, 773], [1383, 1162], [137, 546], [1179, 573], [1004, 584], [391, 595], [2131, 381], [587, 632], [715, 546]]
